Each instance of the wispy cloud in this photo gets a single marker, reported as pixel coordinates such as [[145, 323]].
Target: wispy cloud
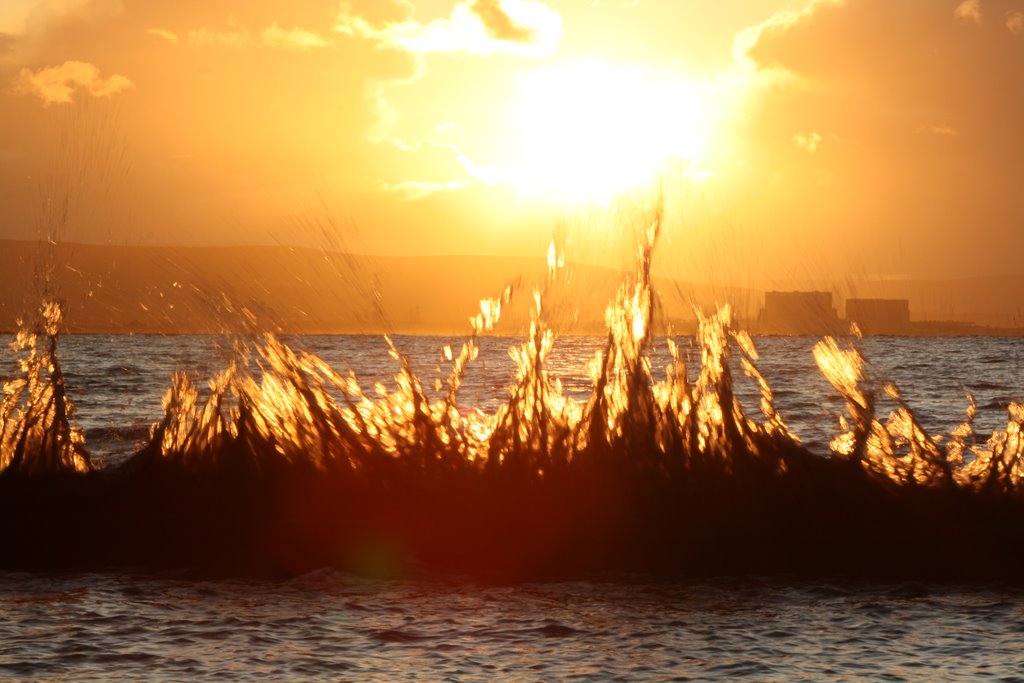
[[294, 38], [525, 28], [57, 84], [169, 36], [942, 130], [481, 27], [414, 190], [969, 10], [1015, 22], [234, 36], [808, 142]]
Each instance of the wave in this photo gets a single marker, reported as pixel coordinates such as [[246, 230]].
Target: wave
[[286, 464]]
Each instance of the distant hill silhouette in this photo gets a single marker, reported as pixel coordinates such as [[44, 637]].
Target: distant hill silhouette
[[228, 289], [146, 289]]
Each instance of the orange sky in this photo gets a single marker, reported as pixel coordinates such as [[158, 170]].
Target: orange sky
[[865, 138]]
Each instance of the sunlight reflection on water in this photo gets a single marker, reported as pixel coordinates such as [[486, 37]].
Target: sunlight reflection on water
[[326, 625]]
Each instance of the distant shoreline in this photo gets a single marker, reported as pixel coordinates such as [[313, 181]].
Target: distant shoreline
[[305, 291]]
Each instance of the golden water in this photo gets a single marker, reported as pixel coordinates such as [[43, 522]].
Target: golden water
[[656, 462]]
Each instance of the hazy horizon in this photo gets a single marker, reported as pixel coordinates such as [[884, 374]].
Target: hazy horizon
[[209, 289]]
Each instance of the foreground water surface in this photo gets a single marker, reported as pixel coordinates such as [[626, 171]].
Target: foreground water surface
[[333, 626]]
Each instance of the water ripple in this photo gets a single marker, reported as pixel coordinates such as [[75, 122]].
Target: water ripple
[[95, 627]]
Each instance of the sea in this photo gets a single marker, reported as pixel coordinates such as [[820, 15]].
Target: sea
[[328, 625]]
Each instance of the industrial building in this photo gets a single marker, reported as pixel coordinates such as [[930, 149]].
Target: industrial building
[[879, 316], [799, 313]]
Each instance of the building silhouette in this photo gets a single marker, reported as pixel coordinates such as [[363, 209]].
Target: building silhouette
[[799, 313], [812, 313], [880, 316]]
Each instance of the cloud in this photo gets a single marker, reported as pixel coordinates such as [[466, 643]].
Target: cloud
[[938, 130], [922, 65], [294, 38], [748, 39], [969, 10], [499, 24], [807, 141], [234, 36], [427, 168], [1015, 22], [169, 36], [926, 89], [526, 28], [237, 35], [480, 27], [56, 84], [414, 190]]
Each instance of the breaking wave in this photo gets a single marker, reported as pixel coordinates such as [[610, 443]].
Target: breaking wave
[[282, 464]]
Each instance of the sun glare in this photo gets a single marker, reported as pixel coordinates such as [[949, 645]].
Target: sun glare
[[591, 130]]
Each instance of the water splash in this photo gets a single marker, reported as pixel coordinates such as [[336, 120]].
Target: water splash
[[901, 451], [274, 403], [38, 434], [285, 460]]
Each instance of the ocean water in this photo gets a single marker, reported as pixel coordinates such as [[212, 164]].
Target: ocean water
[[331, 626], [117, 381], [326, 626]]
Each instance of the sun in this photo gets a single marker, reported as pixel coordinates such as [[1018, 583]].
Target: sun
[[590, 130]]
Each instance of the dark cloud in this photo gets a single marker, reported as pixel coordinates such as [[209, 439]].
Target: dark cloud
[[499, 24], [909, 58], [915, 107]]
